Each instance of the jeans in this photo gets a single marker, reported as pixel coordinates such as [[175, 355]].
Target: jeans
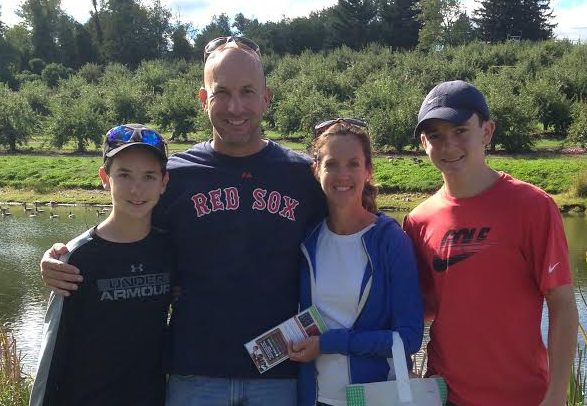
[[193, 390]]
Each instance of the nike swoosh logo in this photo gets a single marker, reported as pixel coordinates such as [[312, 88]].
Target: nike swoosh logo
[[442, 264], [551, 267], [432, 100]]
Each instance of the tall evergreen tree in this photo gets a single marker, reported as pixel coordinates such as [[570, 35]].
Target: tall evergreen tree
[[351, 22], [398, 23], [42, 18], [499, 20], [536, 23]]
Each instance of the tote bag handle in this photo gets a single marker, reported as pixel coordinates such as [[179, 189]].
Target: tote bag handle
[[404, 390]]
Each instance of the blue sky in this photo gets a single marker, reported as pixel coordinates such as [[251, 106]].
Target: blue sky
[[569, 14]]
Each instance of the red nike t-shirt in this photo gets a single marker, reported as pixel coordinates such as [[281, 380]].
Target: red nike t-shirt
[[485, 264]]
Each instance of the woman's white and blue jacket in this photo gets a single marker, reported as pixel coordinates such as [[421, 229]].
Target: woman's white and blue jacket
[[389, 300]]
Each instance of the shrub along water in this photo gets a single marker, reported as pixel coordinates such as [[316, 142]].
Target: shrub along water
[[15, 386]]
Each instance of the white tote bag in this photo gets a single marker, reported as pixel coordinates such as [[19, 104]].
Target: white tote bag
[[403, 391]]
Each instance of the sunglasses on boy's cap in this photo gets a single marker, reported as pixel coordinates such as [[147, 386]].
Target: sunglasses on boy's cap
[[320, 128], [126, 135], [217, 42], [453, 101]]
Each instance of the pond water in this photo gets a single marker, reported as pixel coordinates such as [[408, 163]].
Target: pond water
[[23, 239]]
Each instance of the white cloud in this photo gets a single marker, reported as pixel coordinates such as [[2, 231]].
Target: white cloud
[[571, 21]]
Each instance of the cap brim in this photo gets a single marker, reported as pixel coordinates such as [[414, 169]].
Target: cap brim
[[116, 150], [455, 116]]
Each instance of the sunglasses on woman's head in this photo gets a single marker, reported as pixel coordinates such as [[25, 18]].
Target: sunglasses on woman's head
[[325, 125]]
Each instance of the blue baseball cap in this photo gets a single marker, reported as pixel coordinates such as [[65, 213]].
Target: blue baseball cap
[[453, 101]]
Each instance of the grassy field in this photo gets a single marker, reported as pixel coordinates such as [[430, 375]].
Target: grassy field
[[403, 180], [40, 174]]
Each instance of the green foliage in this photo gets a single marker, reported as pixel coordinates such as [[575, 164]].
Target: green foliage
[[577, 388], [17, 119], [127, 102], [512, 110], [579, 188], [42, 18], [525, 83], [177, 109], [298, 111], [443, 23], [578, 130], [79, 113], [570, 73], [554, 109], [25, 76], [91, 72], [390, 108], [37, 94], [152, 75], [53, 73], [37, 65], [132, 32]]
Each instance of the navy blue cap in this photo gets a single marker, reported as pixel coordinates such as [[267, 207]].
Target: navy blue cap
[[453, 101]]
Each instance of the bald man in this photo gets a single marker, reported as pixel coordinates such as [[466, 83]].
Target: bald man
[[237, 206]]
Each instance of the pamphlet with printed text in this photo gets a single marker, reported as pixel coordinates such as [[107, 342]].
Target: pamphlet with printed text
[[270, 348]]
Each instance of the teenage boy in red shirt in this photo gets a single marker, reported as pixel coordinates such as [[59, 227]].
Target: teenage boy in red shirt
[[491, 250]]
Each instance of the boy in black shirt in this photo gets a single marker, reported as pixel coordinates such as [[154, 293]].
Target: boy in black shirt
[[103, 345]]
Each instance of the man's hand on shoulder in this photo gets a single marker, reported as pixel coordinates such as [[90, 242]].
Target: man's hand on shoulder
[[62, 278]]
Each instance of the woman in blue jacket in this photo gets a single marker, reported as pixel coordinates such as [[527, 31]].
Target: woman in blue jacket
[[359, 271]]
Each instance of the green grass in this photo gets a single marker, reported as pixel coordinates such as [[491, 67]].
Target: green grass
[[404, 181], [555, 174]]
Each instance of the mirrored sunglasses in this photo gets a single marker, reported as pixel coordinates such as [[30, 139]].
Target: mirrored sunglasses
[[122, 134], [325, 125]]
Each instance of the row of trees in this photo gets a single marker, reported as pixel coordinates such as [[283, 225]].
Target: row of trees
[[531, 88], [128, 32]]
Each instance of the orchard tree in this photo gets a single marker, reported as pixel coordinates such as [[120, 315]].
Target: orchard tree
[[178, 110], [390, 107], [79, 113], [578, 129], [17, 119]]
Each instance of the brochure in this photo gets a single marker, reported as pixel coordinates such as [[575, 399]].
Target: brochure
[[270, 348]]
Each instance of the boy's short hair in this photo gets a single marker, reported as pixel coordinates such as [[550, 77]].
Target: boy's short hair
[[126, 135], [454, 101]]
